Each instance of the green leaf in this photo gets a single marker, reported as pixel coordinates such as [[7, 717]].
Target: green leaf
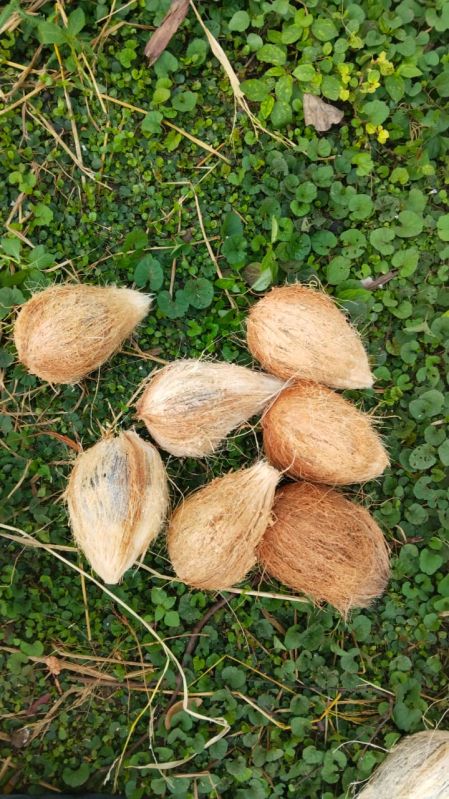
[[149, 272], [330, 87], [406, 261], [11, 247], [8, 11], [240, 21], [255, 90], [135, 240], [272, 54], [381, 239], [76, 21], [441, 83], [395, 86], [199, 292], [429, 561], [43, 215], [184, 101], [232, 225], [338, 270], [443, 227], [76, 777], [443, 452], [171, 618], [173, 308], [427, 405], [422, 457], [361, 206], [281, 115], [411, 224], [324, 29], [32, 650], [39, 258], [166, 63], [234, 677], [376, 111], [160, 95], [49, 33], [6, 359], [293, 637], [152, 122], [361, 627], [8, 298], [304, 72]]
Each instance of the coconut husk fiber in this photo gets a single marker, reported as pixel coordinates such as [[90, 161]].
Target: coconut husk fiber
[[326, 546], [67, 331], [417, 768], [117, 498], [297, 332], [190, 406], [315, 434], [213, 534]]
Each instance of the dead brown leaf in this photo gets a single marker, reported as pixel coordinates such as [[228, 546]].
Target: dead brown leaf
[[319, 114], [177, 707], [166, 30]]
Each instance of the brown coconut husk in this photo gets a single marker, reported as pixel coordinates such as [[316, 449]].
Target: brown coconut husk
[[322, 544], [67, 331], [315, 434], [117, 498], [417, 768], [190, 406], [298, 332], [213, 535]]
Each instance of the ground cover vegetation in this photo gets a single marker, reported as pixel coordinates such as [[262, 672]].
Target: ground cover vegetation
[[113, 171]]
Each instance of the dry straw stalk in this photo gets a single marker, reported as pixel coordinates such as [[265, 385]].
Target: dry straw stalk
[[315, 434], [326, 546], [418, 768], [191, 405], [118, 499], [298, 332], [67, 331], [213, 535]]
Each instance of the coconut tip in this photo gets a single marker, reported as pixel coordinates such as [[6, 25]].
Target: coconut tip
[[139, 301]]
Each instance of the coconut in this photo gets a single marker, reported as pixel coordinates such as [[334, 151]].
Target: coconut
[[314, 434], [118, 499], [67, 331], [213, 535], [326, 546], [190, 406], [297, 332], [418, 768]]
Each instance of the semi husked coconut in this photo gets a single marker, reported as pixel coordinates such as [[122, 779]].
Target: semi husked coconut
[[118, 499], [298, 332], [65, 332]]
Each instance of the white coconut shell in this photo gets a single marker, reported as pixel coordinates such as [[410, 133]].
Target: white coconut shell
[[321, 543], [213, 534], [417, 768], [190, 406], [315, 434], [117, 498], [65, 332], [298, 332]]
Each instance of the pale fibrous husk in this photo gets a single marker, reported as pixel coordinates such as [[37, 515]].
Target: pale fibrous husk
[[326, 546], [417, 768], [297, 332], [213, 534], [315, 434], [65, 332], [190, 405], [117, 498]]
